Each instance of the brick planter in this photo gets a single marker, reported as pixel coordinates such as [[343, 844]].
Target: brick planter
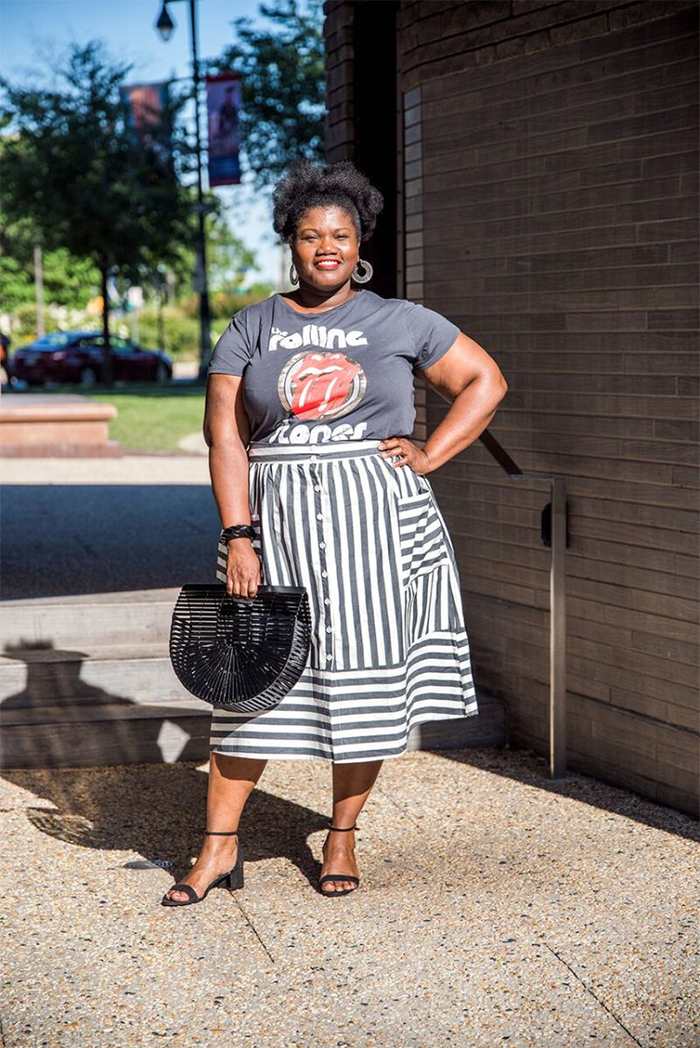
[[45, 425]]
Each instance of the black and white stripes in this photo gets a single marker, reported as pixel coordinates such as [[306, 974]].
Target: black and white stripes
[[389, 647]]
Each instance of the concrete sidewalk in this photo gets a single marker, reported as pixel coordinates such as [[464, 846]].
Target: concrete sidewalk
[[496, 907], [84, 526]]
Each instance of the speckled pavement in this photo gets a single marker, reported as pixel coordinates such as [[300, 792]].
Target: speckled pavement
[[497, 907]]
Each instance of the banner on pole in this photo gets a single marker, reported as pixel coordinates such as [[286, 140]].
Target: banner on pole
[[145, 105], [223, 107]]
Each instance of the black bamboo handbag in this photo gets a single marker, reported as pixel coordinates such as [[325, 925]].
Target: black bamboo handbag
[[240, 653]]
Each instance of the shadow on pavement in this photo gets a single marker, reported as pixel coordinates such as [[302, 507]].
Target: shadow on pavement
[[158, 811], [527, 767]]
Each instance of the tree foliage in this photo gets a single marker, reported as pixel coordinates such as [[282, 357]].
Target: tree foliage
[[68, 281], [76, 170], [283, 81], [73, 176], [73, 168]]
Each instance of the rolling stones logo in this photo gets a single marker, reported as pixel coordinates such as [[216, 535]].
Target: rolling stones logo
[[321, 385]]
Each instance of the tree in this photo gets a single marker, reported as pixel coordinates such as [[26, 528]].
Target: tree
[[229, 259], [74, 168], [283, 83], [16, 278], [68, 281]]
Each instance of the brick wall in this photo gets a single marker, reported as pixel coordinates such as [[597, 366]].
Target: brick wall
[[340, 75], [549, 162]]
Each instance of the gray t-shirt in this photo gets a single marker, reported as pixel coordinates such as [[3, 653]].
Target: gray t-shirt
[[346, 374]]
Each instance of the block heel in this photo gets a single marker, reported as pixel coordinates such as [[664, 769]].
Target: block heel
[[232, 879], [235, 877]]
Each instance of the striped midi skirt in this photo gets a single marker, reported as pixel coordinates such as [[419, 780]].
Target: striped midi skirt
[[389, 647]]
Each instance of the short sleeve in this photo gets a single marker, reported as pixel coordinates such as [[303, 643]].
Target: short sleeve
[[233, 350], [431, 334]]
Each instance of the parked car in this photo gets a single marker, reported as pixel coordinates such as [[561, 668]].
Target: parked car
[[76, 356]]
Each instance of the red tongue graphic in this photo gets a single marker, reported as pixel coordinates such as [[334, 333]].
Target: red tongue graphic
[[321, 384]]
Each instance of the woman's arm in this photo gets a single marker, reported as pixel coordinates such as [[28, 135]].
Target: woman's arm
[[226, 432], [473, 381]]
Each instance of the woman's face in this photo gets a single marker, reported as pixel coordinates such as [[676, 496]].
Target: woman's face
[[325, 248]]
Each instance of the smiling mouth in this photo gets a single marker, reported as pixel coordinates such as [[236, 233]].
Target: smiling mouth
[[327, 263]]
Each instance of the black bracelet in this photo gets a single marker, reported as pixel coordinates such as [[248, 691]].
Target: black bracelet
[[238, 531]]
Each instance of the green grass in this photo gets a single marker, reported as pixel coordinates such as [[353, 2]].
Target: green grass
[[151, 418], [154, 419]]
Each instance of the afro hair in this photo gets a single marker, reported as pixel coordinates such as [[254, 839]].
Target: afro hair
[[308, 185]]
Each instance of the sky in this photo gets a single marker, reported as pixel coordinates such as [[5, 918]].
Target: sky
[[34, 30]]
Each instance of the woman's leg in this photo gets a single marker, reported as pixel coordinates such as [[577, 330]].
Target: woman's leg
[[231, 782], [352, 784]]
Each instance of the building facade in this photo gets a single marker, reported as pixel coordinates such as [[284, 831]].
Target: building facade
[[539, 160]]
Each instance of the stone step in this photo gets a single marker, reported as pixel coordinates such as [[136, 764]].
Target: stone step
[[89, 683], [90, 674], [98, 704], [112, 733], [158, 721], [108, 618]]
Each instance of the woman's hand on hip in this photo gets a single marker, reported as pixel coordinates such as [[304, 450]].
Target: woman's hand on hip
[[243, 570], [400, 451]]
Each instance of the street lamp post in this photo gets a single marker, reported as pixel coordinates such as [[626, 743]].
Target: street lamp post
[[166, 27]]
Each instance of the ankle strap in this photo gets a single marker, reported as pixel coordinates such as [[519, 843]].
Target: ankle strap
[[221, 833], [342, 829]]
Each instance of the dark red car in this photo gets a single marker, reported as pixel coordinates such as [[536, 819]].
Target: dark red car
[[76, 356]]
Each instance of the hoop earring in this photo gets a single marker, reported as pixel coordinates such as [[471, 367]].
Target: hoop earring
[[366, 276], [293, 275]]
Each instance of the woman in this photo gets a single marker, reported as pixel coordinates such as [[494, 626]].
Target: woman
[[309, 403]]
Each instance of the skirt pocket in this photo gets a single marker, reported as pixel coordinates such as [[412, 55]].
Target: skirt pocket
[[421, 536]]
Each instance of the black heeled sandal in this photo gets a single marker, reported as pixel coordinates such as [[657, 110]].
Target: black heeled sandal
[[233, 877], [339, 876]]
